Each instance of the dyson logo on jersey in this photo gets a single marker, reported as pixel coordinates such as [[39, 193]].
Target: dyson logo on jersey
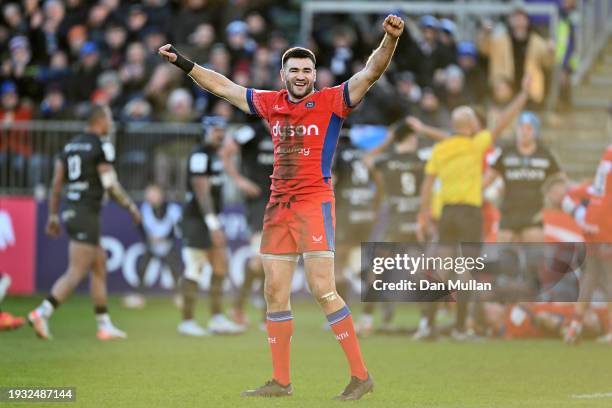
[[283, 132]]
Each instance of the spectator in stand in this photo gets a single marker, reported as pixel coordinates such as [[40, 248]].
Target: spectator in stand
[[58, 71], [54, 105], [454, 93], [159, 13], [153, 38], [115, 37], [408, 95], [467, 58], [136, 22], [239, 45], [342, 54], [85, 73], [77, 37], [566, 56], [191, 15], [137, 110], [109, 91], [431, 112], [14, 19], [448, 47], [180, 107], [200, 42], [263, 69], [517, 52], [21, 70], [133, 73], [44, 32], [257, 28], [15, 146], [427, 56], [96, 20]]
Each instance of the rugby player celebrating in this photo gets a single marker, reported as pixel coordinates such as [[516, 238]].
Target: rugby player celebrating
[[299, 218]]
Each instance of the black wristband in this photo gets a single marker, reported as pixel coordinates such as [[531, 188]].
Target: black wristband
[[181, 62]]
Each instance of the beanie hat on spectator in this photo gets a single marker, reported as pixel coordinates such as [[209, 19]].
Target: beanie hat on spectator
[[88, 48], [8, 87], [448, 26], [18, 41], [237, 27], [527, 117], [467, 49], [429, 21]]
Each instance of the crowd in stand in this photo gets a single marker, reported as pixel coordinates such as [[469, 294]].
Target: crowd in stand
[[59, 57]]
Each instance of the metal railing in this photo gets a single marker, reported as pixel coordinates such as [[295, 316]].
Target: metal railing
[[146, 153]]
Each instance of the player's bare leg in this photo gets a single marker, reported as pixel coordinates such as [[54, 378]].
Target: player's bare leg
[[219, 323], [253, 271], [589, 279], [81, 258], [106, 329], [194, 259], [319, 267], [279, 323]]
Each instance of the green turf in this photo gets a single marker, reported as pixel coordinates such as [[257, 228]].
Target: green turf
[[158, 368]]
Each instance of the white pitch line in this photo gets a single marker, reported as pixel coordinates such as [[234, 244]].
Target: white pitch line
[[593, 396]]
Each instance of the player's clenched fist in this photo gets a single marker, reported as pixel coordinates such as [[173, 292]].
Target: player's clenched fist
[[165, 52], [172, 55], [393, 25]]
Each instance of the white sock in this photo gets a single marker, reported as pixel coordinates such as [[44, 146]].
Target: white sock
[[103, 320], [45, 309]]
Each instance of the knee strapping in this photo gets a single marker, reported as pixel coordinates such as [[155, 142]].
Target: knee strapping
[[328, 298]]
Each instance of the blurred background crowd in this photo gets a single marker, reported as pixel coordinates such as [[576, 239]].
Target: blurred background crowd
[[59, 56]]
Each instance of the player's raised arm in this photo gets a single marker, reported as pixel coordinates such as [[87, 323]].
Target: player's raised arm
[[55, 193], [517, 104], [360, 83], [207, 79], [110, 182]]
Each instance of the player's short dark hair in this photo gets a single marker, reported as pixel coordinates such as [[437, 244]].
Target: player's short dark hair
[[95, 113], [299, 52], [403, 131]]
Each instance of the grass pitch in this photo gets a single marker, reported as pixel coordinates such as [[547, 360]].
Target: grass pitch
[[156, 367]]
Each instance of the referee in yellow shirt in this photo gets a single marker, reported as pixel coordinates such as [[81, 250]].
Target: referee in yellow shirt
[[458, 162]]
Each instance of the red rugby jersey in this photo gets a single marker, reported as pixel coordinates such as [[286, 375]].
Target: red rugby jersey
[[305, 135]]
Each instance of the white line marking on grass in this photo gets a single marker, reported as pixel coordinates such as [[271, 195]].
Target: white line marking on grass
[[593, 396]]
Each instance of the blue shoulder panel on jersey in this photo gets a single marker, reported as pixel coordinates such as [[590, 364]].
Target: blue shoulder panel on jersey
[[328, 223], [345, 94], [249, 98], [329, 143]]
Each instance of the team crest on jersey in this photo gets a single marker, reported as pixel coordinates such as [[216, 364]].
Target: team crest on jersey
[[310, 104]]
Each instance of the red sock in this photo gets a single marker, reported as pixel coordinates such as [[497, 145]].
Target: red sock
[[341, 322], [280, 329]]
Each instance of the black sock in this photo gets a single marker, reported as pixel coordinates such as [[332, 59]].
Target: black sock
[[53, 301], [216, 292], [100, 309], [190, 292]]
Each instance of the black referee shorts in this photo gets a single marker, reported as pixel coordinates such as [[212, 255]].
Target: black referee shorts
[[460, 223]]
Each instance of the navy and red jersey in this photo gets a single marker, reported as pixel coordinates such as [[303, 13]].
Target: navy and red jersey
[[305, 135]]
